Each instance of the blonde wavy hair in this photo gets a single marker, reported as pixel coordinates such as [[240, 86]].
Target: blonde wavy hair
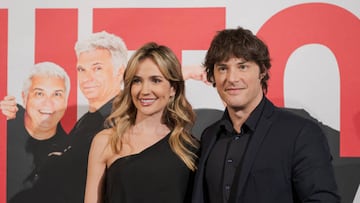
[[178, 115]]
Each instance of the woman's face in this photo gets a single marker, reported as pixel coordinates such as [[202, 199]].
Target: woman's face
[[150, 90]]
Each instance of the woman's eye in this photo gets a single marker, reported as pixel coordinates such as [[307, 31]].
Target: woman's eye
[[135, 80], [156, 80]]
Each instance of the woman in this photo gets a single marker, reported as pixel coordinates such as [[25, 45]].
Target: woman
[[147, 154]]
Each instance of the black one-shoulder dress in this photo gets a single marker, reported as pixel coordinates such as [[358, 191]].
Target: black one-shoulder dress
[[156, 174]]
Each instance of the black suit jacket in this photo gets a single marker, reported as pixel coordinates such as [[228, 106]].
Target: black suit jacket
[[287, 160]]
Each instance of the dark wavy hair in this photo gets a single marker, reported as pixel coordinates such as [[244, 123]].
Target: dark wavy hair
[[238, 43]]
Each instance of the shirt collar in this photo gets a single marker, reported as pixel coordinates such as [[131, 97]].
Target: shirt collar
[[250, 123], [105, 110]]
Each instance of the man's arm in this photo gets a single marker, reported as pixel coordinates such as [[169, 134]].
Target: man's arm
[[313, 174], [195, 72]]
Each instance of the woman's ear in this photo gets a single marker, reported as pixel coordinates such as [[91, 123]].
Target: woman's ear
[[173, 91]]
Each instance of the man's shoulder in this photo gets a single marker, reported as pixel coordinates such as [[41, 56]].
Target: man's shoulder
[[295, 120], [212, 129], [204, 118], [296, 115]]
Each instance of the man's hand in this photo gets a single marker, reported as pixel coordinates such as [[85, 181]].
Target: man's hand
[[195, 72], [8, 107]]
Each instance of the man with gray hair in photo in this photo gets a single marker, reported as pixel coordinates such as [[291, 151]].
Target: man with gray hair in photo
[[101, 60], [36, 133]]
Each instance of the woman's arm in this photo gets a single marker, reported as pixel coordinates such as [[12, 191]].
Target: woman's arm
[[98, 155]]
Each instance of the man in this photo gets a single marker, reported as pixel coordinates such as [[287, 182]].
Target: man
[[36, 133], [257, 152], [101, 60]]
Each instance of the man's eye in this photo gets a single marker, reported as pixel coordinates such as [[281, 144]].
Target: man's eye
[[222, 68], [243, 66], [80, 69], [58, 94], [39, 94]]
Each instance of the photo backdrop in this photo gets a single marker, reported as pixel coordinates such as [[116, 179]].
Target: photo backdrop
[[314, 46]]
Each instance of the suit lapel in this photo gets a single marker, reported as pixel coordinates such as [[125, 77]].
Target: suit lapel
[[253, 147], [208, 144]]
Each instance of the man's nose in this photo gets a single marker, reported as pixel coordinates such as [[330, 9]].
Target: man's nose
[[48, 102], [87, 75], [233, 75]]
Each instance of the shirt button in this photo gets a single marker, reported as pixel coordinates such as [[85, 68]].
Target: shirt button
[[229, 161], [236, 137], [227, 187], [36, 177]]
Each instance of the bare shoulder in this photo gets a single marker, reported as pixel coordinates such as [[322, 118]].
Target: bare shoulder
[[100, 147], [102, 138]]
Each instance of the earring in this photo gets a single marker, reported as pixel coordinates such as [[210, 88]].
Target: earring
[[171, 102]]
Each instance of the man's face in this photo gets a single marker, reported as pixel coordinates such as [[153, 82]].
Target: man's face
[[45, 102], [238, 83], [96, 74]]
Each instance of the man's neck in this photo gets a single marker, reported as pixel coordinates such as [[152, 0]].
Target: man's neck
[[37, 132], [95, 105], [238, 116]]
